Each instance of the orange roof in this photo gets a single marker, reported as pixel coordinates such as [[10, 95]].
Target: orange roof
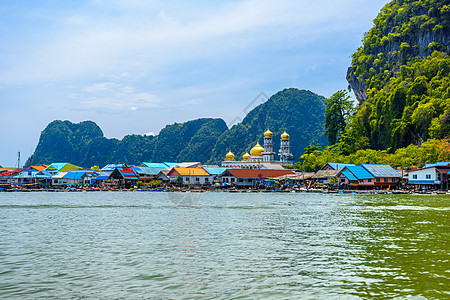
[[39, 168], [189, 171]]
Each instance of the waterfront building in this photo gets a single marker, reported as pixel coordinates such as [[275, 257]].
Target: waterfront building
[[33, 175], [431, 176], [262, 158], [251, 177], [71, 178], [147, 174], [369, 176], [124, 176], [190, 176]]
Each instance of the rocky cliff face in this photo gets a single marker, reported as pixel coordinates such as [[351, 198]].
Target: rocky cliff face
[[403, 30]]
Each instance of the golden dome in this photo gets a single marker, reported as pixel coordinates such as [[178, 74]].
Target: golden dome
[[285, 136], [246, 156], [257, 150], [268, 133], [229, 156]]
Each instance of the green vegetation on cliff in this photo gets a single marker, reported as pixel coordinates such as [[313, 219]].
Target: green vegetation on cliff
[[401, 76], [84, 144]]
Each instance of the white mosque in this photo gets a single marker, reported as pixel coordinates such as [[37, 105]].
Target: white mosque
[[262, 158]]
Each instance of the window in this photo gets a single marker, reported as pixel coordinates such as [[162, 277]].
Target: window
[[369, 180], [386, 180], [56, 180], [393, 179], [197, 179], [342, 179], [186, 179], [206, 179], [361, 181], [241, 180], [414, 176], [232, 180], [378, 179], [428, 176]]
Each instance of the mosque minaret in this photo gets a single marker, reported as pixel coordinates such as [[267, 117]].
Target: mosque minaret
[[262, 158]]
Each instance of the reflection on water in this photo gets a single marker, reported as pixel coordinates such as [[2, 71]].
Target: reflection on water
[[221, 245]]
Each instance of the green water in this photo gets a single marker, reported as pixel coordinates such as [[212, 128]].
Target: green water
[[144, 245]]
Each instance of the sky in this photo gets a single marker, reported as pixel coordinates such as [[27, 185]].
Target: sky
[[135, 66]]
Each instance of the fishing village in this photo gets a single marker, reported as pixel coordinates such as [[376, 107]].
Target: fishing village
[[257, 171]]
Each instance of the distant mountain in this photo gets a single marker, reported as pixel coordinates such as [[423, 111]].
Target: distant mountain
[[83, 144], [299, 112]]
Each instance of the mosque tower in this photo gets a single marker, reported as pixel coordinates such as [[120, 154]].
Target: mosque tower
[[268, 147], [285, 149]]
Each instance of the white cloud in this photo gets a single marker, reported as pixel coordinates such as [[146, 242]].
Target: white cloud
[[92, 43], [111, 97]]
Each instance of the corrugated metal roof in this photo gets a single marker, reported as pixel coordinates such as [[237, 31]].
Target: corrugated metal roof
[[438, 164], [188, 172], [381, 171], [359, 172], [74, 175], [326, 173], [148, 170], [111, 167], [55, 167], [128, 173], [154, 165], [339, 166], [349, 175], [214, 170]]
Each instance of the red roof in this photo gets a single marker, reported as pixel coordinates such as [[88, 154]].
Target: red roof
[[261, 173]]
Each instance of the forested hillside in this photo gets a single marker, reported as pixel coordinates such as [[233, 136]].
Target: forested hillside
[[299, 112], [83, 144], [400, 75]]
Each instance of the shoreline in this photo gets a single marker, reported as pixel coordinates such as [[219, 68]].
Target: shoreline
[[231, 190]]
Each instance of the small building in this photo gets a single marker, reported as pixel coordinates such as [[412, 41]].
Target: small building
[[190, 176], [124, 176], [147, 174], [250, 177], [369, 176], [431, 176], [33, 175], [324, 176], [69, 178]]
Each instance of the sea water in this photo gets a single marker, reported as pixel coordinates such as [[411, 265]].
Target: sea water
[[150, 245]]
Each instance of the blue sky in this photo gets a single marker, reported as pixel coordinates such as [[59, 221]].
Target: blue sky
[[134, 66]]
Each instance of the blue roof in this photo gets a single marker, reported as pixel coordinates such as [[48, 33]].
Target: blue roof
[[149, 170], [214, 170], [349, 175], [111, 167], [154, 165], [381, 170], [74, 174], [32, 173], [339, 166], [438, 164], [57, 166], [360, 172]]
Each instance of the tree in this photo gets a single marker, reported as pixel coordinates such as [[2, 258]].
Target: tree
[[338, 108]]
